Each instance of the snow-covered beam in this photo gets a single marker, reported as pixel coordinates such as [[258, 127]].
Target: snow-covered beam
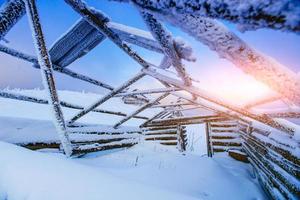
[[107, 97], [261, 101], [11, 95], [147, 105], [145, 39], [186, 120], [75, 43], [166, 42], [229, 46], [151, 91], [99, 20], [83, 37], [10, 13], [249, 15], [171, 105], [34, 61], [222, 103], [47, 75]]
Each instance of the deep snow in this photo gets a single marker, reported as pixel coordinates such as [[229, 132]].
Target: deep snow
[[145, 171]]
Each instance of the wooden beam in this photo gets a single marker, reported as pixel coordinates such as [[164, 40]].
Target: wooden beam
[[145, 40], [107, 97], [10, 13], [68, 72], [147, 105], [166, 42], [171, 105], [151, 91], [20, 97], [46, 71], [99, 20], [262, 101], [152, 118], [215, 100]]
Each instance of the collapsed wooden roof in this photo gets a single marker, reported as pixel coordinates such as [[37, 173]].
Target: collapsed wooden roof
[[95, 26]]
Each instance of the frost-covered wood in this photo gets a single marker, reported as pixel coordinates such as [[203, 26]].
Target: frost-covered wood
[[147, 105], [10, 13], [286, 184], [171, 105], [249, 15], [107, 96], [152, 118], [65, 71], [20, 97], [166, 41], [181, 139], [186, 120], [261, 101], [208, 140], [211, 98], [88, 148], [47, 75], [229, 46], [144, 39], [83, 37], [99, 20], [77, 42], [150, 91]]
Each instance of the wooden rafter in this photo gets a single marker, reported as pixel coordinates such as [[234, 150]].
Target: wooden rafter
[[48, 79], [166, 41], [203, 94], [147, 105]]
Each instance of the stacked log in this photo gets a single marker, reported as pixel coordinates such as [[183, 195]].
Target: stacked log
[[224, 136], [167, 135], [83, 143], [276, 161]]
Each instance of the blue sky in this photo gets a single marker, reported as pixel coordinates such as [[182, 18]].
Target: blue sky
[[109, 64]]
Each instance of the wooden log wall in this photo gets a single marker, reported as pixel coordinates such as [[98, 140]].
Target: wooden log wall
[[276, 161], [223, 136], [101, 141], [167, 135]]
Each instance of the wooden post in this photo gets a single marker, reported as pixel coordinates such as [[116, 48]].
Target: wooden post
[[181, 143], [47, 75], [208, 140]]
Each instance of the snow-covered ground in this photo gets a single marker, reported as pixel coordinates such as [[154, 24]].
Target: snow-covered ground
[[145, 171]]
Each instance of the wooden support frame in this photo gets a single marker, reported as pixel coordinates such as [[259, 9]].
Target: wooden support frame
[[47, 75], [147, 105], [151, 91], [152, 118], [20, 97], [107, 97], [167, 43], [208, 97], [68, 72]]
